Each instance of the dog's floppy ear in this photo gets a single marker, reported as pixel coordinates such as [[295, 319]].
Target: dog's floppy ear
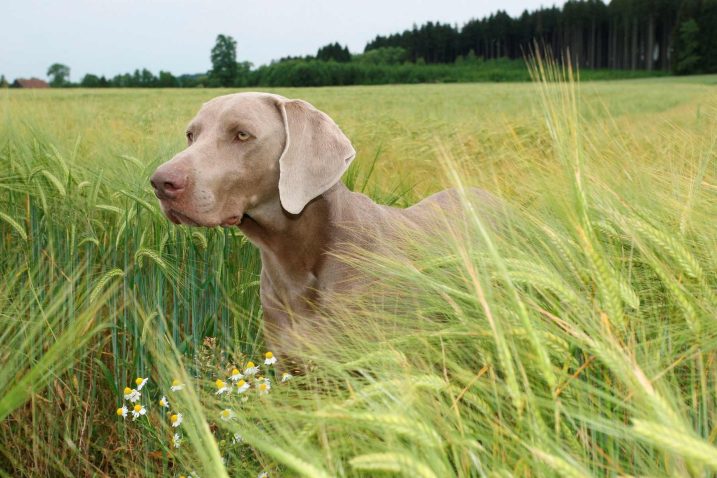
[[315, 156]]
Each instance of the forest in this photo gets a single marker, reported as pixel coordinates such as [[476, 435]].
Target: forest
[[677, 35]]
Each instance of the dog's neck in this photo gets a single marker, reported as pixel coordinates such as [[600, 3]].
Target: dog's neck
[[295, 244]]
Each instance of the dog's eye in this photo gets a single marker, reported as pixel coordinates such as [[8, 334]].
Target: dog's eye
[[190, 136], [243, 136]]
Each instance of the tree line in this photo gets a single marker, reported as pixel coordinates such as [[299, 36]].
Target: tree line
[[622, 38], [676, 35]]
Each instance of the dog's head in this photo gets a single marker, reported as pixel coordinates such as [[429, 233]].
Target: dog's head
[[246, 150]]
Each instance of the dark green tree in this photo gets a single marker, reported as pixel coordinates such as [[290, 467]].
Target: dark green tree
[[191, 81], [385, 55], [3, 82], [334, 52], [687, 56], [147, 79], [59, 75], [90, 81], [707, 22], [224, 61], [167, 80], [122, 81], [243, 77]]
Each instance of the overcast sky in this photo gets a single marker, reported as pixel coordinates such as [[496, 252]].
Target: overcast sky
[[110, 37]]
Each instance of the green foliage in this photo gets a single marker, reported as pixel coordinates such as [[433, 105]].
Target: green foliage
[[243, 73], [167, 80], [3, 82], [334, 52], [224, 62], [301, 72], [687, 48], [596, 35], [59, 75], [144, 78], [391, 55], [93, 81], [376, 67], [708, 39]]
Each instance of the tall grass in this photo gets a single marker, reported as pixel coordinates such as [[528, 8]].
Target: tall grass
[[576, 337], [83, 248]]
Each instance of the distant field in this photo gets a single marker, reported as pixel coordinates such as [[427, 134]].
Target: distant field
[[602, 362], [399, 122]]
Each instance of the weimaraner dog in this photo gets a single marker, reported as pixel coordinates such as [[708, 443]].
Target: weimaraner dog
[[272, 167]]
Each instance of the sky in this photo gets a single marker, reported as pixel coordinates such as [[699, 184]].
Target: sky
[[109, 37]]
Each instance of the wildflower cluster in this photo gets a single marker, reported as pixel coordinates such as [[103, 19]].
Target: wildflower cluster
[[239, 382], [133, 395]]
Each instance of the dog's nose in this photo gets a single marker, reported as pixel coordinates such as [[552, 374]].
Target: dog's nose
[[168, 184]]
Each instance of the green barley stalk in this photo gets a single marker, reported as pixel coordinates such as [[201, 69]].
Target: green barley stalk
[[404, 464]]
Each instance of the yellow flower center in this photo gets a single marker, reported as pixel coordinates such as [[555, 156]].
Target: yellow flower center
[[175, 382], [241, 383], [120, 411], [219, 383], [137, 408], [250, 365], [269, 355], [138, 380], [262, 387], [162, 402], [127, 390], [225, 413], [235, 372], [173, 418]]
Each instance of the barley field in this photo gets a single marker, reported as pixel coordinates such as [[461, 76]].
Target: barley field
[[578, 340]]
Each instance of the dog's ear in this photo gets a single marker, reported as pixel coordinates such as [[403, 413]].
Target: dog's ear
[[315, 156]]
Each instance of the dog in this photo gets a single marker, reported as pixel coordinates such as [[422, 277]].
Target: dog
[[272, 167]]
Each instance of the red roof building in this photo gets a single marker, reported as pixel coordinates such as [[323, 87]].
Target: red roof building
[[31, 83]]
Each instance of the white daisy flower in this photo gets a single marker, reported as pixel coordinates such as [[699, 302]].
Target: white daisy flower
[[270, 359], [237, 438], [236, 375], [163, 402], [176, 385], [242, 386], [250, 369], [122, 412], [176, 440], [222, 387], [286, 376], [226, 414], [264, 387], [176, 419], [131, 394], [263, 474], [141, 382], [138, 411]]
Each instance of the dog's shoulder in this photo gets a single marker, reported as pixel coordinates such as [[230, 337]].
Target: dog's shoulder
[[453, 200]]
